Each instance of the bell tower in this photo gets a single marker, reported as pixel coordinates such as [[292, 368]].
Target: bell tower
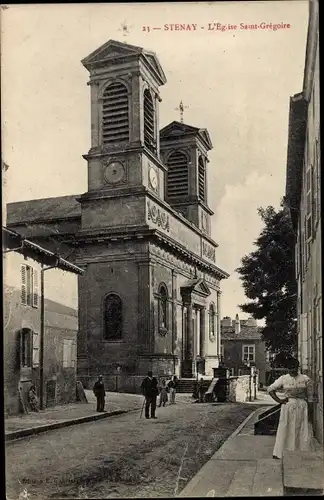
[[185, 153], [125, 144]]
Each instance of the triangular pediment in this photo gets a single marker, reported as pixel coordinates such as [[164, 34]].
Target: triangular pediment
[[113, 50], [178, 129], [110, 50], [198, 286]]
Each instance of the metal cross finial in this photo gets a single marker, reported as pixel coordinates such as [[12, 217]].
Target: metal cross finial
[[181, 108], [125, 29]]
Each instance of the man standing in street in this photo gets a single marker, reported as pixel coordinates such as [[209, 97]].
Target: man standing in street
[[99, 392], [150, 391]]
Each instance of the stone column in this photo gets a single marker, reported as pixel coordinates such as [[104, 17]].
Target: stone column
[[174, 311], [202, 332], [189, 342], [95, 114], [218, 325]]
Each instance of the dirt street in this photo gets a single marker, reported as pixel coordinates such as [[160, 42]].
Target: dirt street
[[124, 456]]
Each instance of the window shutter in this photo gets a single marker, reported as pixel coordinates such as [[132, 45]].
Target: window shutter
[[35, 288], [149, 125], [35, 350], [178, 176], [201, 179], [23, 273], [115, 114], [74, 353]]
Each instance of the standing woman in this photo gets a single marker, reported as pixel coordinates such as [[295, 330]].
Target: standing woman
[[295, 429]]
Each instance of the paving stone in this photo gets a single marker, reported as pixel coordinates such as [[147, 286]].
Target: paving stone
[[303, 470], [242, 482], [244, 447], [268, 478], [214, 478]]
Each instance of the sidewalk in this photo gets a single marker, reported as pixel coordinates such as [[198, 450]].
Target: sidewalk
[[244, 466], [61, 416]]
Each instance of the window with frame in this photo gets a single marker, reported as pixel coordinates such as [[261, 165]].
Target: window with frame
[[248, 353], [163, 306], [29, 285], [115, 114], [212, 320], [26, 336], [113, 317], [69, 353], [309, 210]]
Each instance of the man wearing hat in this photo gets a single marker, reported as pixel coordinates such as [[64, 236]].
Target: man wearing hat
[[150, 391], [99, 392]]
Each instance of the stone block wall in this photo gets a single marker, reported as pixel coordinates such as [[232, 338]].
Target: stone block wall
[[239, 389]]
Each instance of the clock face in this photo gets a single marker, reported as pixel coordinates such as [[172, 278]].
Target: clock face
[[114, 172], [153, 178]]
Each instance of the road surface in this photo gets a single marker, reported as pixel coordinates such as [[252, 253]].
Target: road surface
[[122, 456]]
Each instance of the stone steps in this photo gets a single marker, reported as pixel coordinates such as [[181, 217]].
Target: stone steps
[[186, 385]]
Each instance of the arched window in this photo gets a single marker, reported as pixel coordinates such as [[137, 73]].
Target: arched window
[[115, 115], [163, 306], [113, 317], [201, 179], [177, 177], [149, 122], [212, 320]]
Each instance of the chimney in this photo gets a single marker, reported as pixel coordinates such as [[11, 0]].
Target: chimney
[[251, 322], [237, 324], [226, 321]]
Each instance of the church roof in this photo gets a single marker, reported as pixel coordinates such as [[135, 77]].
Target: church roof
[[178, 129], [61, 207], [114, 50]]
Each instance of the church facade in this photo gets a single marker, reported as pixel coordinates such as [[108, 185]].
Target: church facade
[[150, 294]]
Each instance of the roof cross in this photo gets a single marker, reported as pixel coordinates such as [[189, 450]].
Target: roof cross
[[181, 108]]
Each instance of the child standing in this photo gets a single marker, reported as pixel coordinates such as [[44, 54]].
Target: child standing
[[163, 394]]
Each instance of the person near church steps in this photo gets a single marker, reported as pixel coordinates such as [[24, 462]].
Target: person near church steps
[[150, 391], [99, 392]]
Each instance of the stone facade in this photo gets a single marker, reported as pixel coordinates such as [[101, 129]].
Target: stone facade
[[150, 294], [241, 338], [303, 197], [24, 354]]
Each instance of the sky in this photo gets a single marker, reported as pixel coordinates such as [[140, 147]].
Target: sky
[[236, 83]]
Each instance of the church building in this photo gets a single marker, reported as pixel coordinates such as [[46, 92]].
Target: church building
[[149, 298]]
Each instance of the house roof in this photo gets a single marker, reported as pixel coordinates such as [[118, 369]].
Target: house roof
[[246, 333], [177, 130], [61, 207], [16, 242]]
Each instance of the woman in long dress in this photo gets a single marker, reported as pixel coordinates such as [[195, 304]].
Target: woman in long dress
[[295, 429]]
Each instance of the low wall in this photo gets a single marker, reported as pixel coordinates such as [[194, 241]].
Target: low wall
[[116, 383], [242, 389]]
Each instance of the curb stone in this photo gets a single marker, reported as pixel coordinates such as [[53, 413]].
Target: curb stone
[[21, 433], [194, 480]]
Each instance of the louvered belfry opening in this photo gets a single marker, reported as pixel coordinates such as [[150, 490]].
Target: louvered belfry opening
[[177, 183], [115, 116], [149, 126], [201, 179]]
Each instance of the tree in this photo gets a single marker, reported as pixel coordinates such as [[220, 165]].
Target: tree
[[268, 276]]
